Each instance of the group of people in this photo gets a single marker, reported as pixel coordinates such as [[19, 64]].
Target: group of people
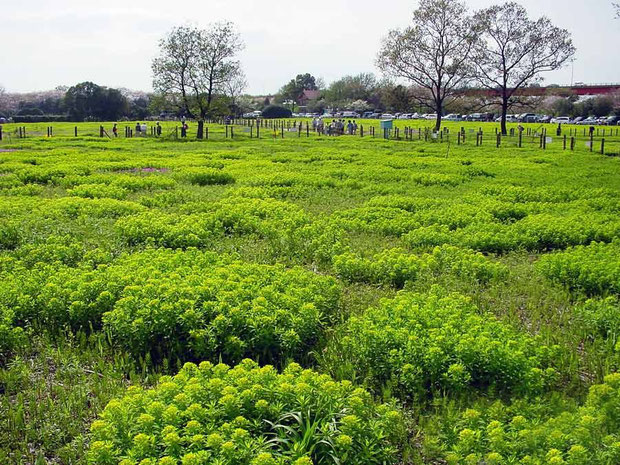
[[140, 129], [337, 127]]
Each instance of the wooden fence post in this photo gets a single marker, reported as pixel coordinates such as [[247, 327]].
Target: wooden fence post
[[603, 146]]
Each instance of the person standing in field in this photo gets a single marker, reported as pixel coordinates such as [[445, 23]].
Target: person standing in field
[[115, 130], [158, 129], [354, 127], [350, 128], [320, 126], [138, 129]]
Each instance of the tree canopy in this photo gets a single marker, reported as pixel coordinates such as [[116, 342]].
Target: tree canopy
[[513, 51], [433, 53], [196, 66], [88, 100]]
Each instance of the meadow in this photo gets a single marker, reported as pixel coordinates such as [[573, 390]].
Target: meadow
[[308, 299]]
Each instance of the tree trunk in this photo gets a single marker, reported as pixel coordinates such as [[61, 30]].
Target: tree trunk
[[201, 126], [438, 120], [504, 111]]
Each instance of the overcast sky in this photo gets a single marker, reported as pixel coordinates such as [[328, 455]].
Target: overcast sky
[[44, 44]]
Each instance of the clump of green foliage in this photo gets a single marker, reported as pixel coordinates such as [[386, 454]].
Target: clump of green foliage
[[523, 433], [593, 269], [396, 267], [187, 304], [207, 176], [419, 344], [246, 415]]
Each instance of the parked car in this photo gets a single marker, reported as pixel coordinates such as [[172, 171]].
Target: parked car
[[544, 119], [350, 114], [252, 114], [528, 118], [453, 117], [404, 116], [561, 120], [578, 120], [477, 117], [416, 115], [589, 121], [387, 116], [612, 120], [430, 116]]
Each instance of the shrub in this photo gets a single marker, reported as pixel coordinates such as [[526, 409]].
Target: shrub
[[189, 304], [276, 111], [246, 415], [207, 176], [39, 118], [9, 235], [95, 191], [395, 267], [418, 344], [266, 218], [593, 269], [520, 434], [383, 220]]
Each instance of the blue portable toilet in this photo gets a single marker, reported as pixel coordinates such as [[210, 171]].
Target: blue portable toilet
[[387, 123], [386, 127]]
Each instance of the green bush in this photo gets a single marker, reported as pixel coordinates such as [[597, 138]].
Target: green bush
[[266, 218], [419, 344], [246, 415], [519, 434], [593, 269], [187, 304], [395, 267], [539, 232], [207, 176], [276, 111], [96, 191]]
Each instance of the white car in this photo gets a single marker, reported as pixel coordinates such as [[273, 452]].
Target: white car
[[561, 120], [453, 117], [430, 116], [509, 119], [350, 114], [405, 116], [387, 116]]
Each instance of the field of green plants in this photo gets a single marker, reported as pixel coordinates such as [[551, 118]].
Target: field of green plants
[[308, 300]]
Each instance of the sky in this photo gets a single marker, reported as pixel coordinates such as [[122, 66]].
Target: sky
[[45, 44]]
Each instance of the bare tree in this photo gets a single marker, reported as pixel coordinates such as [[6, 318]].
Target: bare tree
[[433, 53], [234, 89], [196, 65], [617, 8], [513, 51]]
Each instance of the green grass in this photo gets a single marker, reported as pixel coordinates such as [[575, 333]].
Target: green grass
[[72, 207]]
